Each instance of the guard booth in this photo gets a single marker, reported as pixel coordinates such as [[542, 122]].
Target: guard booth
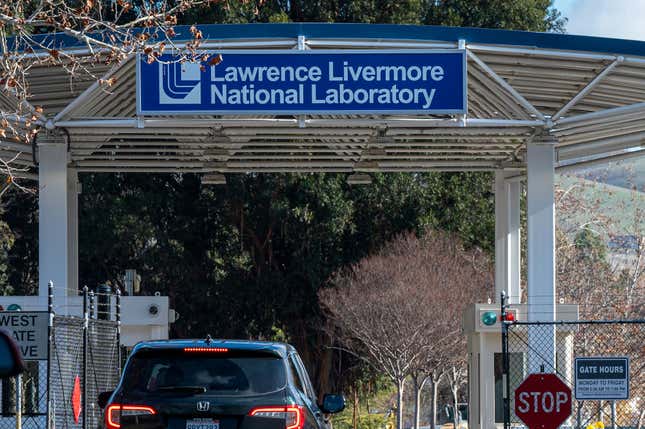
[[486, 378], [353, 99]]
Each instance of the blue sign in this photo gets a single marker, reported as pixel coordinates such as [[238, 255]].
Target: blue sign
[[605, 378], [305, 82]]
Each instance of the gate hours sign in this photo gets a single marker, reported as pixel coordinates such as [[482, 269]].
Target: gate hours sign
[[301, 82], [29, 329], [603, 378], [543, 401]]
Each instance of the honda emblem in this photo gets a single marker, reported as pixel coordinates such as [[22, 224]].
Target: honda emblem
[[203, 406]]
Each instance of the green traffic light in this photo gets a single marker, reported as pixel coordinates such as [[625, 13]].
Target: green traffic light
[[489, 318]]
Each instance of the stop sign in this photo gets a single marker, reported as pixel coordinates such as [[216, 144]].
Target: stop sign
[[543, 401]]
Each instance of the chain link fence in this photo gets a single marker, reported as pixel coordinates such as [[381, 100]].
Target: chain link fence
[[527, 348], [84, 360], [66, 366], [104, 368]]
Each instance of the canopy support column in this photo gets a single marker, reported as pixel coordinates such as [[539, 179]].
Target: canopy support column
[[73, 188], [57, 229], [541, 253], [507, 237]]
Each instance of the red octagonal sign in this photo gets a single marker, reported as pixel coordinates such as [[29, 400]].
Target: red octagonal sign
[[543, 401]]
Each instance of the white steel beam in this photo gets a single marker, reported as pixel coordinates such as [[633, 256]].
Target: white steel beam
[[358, 44], [72, 232], [573, 129], [501, 232], [600, 146], [587, 89], [513, 240], [584, 136], [601, 114], [507, 237], [541, 254], [502, 101], [502, 82], [85, 95], [53, 225], [576, 163], [191, 123], [540, 52], [17, 147]]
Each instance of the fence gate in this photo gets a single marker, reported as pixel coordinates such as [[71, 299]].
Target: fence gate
[[84, 360], [576, 340]]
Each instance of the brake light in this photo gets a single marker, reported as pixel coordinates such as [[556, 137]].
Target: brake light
[[293, 415], [205, 349], [114, 412]]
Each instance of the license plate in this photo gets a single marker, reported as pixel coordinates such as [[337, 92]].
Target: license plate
[[202, 424]]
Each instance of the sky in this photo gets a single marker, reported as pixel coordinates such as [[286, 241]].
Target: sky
[[622, 19]]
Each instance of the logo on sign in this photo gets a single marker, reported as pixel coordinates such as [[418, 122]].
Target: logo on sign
[[180, 83], [203, 406]]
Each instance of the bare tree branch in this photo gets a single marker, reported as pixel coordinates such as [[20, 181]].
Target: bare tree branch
[[400, 309]]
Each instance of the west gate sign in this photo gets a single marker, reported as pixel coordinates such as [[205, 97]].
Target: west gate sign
[[305, 82], [29, 329]]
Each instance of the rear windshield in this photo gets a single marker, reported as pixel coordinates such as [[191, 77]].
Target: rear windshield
[[230, 374]]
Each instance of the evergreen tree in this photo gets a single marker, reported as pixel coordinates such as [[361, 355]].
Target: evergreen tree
[[249, 258]]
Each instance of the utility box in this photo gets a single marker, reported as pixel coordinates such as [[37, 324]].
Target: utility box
[[485, 369]]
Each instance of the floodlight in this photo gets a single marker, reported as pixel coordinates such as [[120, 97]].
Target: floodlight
[[214, 179], [375, 152], [366, 166], [359, 179]]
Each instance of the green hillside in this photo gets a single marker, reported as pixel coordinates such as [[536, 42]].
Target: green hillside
[[625, 174], [609, 209]]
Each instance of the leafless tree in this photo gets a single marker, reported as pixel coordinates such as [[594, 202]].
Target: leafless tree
[[606, 283], [108, 32], [400, 308], [457, 377], [446, 361], [585, 268]]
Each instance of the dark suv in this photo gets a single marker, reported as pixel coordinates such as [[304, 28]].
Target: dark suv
[[216, 384]]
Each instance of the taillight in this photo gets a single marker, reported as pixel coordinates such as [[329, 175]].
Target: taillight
[[114, 412], [293, 415]]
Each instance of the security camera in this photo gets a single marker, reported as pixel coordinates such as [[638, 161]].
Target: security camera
[[153, 309]]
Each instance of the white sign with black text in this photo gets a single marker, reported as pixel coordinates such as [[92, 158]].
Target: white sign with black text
[[604, 378], [29, 329]]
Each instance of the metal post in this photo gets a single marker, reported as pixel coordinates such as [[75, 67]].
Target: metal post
[[50, 340], [507, 237], [118, 328], [541, 254], [501, 234], [513, 254], [19, 401], [579, 415], [92, 314], [86, 317], [53, 237], [505, 364], [613, 415]]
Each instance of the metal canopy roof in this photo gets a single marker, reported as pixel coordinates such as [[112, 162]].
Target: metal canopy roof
[[587, 92]]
